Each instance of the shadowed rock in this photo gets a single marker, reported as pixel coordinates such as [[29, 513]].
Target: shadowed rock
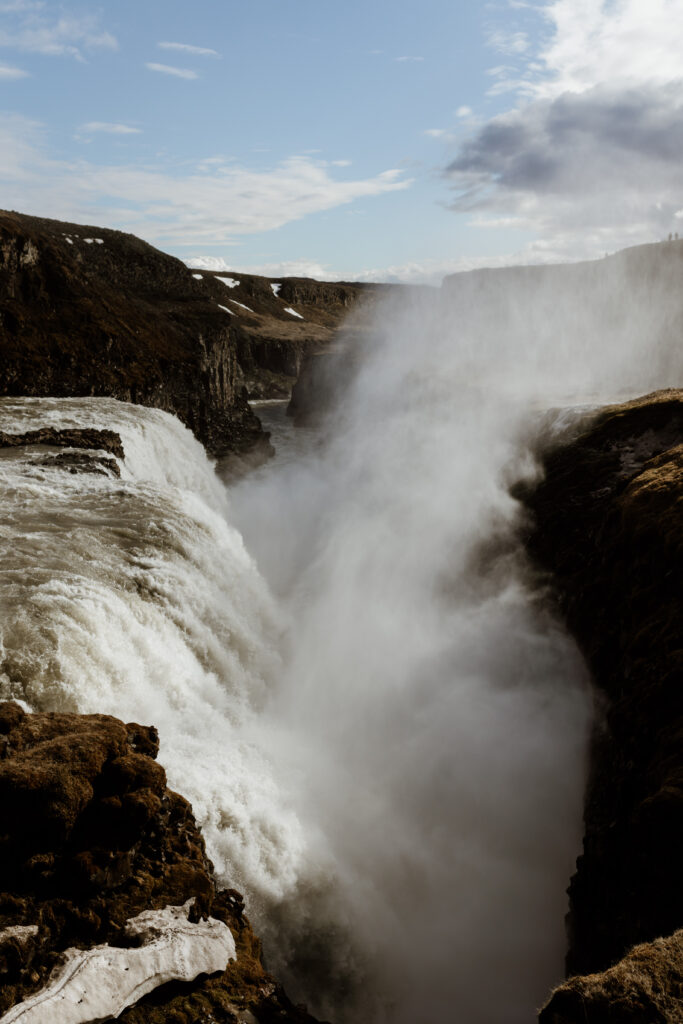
[[98, 440], [609, 525]]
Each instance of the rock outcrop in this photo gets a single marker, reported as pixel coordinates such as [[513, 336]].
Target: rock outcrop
[[103, 981], [74, 460], [91, 839], [609, 526], [646, 987]]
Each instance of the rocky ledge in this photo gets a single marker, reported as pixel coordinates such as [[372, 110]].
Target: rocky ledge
[[104, 874], [102, 449], [609, 527]]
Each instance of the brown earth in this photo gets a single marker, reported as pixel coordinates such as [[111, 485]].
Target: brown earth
[[609, 526], [92, 836]]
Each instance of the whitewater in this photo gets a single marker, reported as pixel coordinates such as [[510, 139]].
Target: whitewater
[[356, 674]]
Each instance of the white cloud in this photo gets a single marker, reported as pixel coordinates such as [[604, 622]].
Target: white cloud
[[29, 28], [13, 6], [341, 163], [213, 206], [408, 60], [109, 128], [429, 272], [7, 72], [463, 112], [436, 133], [511, 43], [284, 268], [588, 158], [609, 41], [197, 51], [166, 69]]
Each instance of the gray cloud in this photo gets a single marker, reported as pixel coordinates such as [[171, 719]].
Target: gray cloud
[[597, 140], [586, 172]]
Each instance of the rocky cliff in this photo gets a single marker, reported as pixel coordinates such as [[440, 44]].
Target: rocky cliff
[[85, 311], [609, 527], [94, 850], [89, 311], [278, 323]]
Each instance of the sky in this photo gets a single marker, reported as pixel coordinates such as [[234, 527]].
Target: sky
[[367, 141]]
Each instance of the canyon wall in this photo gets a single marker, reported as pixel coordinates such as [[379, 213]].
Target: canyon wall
[[90, 311], [609, 527]]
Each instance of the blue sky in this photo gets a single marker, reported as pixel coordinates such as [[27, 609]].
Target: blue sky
[[394, 141]]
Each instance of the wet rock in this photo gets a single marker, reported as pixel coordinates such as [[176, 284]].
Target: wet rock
[[77, 462], [97, 440]]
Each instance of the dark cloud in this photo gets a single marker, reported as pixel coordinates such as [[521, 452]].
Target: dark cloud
[[597, 140]]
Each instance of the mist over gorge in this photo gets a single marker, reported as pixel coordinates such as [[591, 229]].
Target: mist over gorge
[[358, 676]]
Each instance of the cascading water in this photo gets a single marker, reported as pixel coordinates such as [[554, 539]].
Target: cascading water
[[135, 597], [380, 726]]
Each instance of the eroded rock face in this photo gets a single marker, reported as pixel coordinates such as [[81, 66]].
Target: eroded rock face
[[91, 837], [609, 526], [88, 311]]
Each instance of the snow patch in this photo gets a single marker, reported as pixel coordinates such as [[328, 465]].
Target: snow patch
[[229, 281], [226, 310], [100, 241], [88, 241], [276, 288], [99, 983], [198, 277], [69, 240], [293, 312], [248, 308]]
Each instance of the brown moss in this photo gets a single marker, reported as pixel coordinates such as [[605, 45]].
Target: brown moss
[[92, 837], [646, 987]]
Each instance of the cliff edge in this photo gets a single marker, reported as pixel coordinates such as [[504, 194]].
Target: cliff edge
[[91, 311], [609, 527]]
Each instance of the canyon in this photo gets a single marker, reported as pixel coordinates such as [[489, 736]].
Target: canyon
[[95, 313]]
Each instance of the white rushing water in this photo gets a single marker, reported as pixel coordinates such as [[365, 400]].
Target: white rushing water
[[379, 723]]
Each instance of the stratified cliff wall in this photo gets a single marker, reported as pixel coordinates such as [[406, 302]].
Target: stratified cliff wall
[[92, 838], [89, 311], [609, 526]]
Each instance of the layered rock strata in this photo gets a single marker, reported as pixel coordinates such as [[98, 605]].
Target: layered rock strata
[[90, 311], [609, 526], [87, 311], [92, 841]]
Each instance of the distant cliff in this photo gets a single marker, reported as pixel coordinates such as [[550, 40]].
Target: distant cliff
[[89, 311], [609, 526]]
